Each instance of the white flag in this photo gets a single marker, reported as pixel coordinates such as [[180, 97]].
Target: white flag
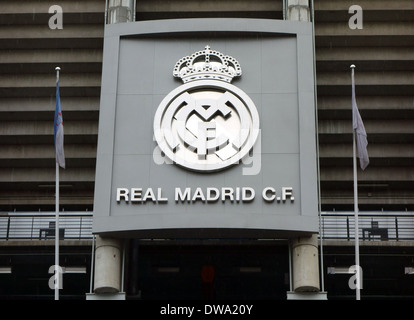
[[358, 126]]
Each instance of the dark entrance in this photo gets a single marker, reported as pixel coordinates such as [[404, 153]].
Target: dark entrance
[[207, 269]]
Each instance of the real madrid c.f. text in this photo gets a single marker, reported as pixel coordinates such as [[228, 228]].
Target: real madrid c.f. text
[[206, 195]]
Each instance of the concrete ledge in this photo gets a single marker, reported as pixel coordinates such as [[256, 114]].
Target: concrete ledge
[[366, 243], [306, 295], [44, 243], [106, 296]]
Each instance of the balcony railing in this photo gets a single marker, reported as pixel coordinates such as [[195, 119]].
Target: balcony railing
[[41, 226], [395, 226]]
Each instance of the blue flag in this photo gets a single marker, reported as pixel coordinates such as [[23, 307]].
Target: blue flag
[[58, 126]]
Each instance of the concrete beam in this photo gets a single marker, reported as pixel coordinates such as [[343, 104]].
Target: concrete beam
[[46, 175], [42, 6], [366, 102], [45, 243], [402, 54], [374, 174], [50, 56], [399, 199], [10, 128], [363, 40], [43, 18], [43, 31], [49, 80], [42, 194], [390, 126], [365, 78], [42, 104], [367, 243], [56, 42], [365, 4], [31, 152], [369, 15], [375, 151], [207, 6], [371, 28]]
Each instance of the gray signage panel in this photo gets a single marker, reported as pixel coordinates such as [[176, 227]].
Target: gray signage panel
[[207, 129]]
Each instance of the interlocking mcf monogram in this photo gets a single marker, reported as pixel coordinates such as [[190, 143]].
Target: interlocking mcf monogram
[[206, 124]]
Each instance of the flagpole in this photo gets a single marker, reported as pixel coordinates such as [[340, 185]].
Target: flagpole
[[356, 232], [57, 271]]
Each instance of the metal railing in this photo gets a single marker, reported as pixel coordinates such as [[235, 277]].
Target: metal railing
[[41, 226], [395, 226]]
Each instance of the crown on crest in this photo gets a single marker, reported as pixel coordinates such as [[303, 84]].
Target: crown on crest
[[207, 65]]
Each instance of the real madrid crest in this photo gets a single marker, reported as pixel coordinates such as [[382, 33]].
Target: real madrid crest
[[206, 124]]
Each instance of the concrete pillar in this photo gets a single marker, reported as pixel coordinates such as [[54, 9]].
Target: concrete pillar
[[120, 11], [298, 10], [108, 261], [305, 264]]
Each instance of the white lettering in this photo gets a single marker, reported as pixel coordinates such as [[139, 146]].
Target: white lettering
[[270, 190], [122, 192], [180, 196], [237, 194], [207, 195], [228, 309], [136, 194], [149, 194], [213, 194], [188, 311], [287, 192], [159, 196], [198, 195], [227, 193], [245, 194]]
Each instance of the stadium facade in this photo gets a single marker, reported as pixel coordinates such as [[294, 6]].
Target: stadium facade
[[208, 149]]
